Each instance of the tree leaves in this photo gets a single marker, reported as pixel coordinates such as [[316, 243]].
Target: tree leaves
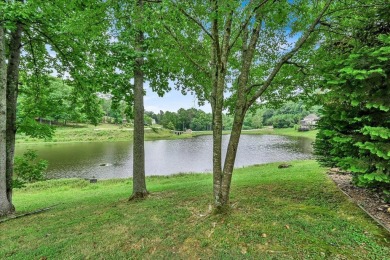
[[355, 125]]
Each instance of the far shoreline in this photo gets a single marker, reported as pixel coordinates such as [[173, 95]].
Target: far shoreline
[[113, 133]]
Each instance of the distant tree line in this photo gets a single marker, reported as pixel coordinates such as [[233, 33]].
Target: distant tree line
[[57, 103], [287, 115]]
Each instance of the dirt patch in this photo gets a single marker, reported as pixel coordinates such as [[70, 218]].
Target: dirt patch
[[368, 200]]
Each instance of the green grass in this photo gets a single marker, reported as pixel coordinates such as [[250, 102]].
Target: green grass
[[282, 131], [100, 133], [109, 132], [294, 213]]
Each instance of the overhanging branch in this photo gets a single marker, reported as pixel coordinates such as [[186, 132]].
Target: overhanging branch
[[245, 24], [300, 66], [285, 58], [200, 67], [197, 22]]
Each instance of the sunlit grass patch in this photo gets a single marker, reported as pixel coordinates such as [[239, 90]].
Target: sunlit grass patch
[[293, 213]]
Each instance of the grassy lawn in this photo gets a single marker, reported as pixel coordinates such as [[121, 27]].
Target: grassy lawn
[[294, 213], [282, 131], [100, 133], [110, 132]]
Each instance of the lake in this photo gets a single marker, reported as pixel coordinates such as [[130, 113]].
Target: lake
[[163, 157]]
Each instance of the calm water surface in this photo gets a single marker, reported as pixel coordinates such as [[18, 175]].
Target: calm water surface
[[163, 157]]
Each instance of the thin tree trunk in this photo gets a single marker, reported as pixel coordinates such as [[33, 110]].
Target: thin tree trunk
[[242, 103], [12, 96], [216, 106], [231, 154], [217, 144], [5, 205], [139, 183], [220, 55], [247, 54]]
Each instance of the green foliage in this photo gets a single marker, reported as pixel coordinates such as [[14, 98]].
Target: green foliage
[[28, 168], [49, 100], [170, 126], [283, 121], [34, 129], [355, 124], [147, 120], [287, 115], [192, 118]]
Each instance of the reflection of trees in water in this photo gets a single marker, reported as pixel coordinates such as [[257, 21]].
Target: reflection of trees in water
[[298, 144]]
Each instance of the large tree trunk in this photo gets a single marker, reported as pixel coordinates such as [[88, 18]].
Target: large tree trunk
[[139, 183], [12, 96], [5, 204]]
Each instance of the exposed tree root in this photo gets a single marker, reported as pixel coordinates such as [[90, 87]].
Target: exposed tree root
[[28, 213]]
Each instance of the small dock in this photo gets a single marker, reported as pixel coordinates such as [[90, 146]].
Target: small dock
[[178, 132]]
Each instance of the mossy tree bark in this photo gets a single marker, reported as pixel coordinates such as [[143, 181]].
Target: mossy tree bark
[[12, 96], [5, 204]]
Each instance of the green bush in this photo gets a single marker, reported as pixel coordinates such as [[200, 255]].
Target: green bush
[[355, 124], [283, 120], [28, 168], [170, 126]]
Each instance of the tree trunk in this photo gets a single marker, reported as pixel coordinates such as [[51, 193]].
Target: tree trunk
[[12, 96], [231, 153], [5, 204], [247, 54], [220, 54], [217, 143], [139, 183]]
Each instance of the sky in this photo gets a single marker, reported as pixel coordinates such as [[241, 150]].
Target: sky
[[171, 101]]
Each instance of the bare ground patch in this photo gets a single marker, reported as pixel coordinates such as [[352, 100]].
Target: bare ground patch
[[369, 201]]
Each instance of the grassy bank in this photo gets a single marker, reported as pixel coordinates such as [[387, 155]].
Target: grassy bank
[[294, 213], [109, 132], [282, 131], [101, 133]]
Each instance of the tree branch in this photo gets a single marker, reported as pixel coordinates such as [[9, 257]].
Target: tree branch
[[195, 21], [200, 67], [287, 56], [245, 24], [226, 39], [300, 66], [51, 41]]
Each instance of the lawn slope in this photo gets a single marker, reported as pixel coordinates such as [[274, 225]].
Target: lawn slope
[[293, 213]]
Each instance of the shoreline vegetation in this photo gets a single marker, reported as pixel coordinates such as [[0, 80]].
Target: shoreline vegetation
[[295, 213], [112, 133]]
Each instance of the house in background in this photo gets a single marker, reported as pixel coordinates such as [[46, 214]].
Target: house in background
[[308, 123]]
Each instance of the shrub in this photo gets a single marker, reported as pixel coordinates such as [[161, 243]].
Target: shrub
[[355, 124], [28, 168]]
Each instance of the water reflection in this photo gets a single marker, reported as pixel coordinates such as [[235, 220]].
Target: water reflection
[[163, 157]]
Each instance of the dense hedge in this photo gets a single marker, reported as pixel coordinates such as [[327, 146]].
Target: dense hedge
[[355, 123]]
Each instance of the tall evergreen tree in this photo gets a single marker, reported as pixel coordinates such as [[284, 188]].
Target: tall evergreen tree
[[355, 123]]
